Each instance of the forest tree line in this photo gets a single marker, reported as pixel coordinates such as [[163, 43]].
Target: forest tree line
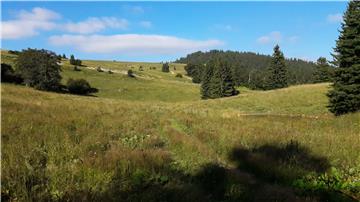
[[251, 69]]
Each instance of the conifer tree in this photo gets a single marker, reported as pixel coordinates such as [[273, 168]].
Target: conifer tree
[[215, 90], [323, 72], [165, 67], [227, 81], [72, 60], [205, 81], [345, 96], [277, 71]]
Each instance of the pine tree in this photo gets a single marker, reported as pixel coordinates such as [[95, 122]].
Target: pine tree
[[277, 71], [345, 96], [227, 81], [165, 67], [323, 72], [217, 80], [215, 90], [205, 81], [72, 60]]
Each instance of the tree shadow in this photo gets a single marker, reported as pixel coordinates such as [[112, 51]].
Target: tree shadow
[[264, 173]]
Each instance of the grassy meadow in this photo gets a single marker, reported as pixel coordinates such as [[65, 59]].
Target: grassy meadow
[[151, 138]]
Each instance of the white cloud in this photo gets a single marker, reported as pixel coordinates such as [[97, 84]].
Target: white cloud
[[273, 37], [133, 44], [146, 24], [93, 24], [335, 18], [28, 23]]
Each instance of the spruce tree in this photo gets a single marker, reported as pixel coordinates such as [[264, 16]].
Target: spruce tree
[[72, 60], [277, 71], [345, 96], [323, 72], [165, 67], [215, 89], [227, 81], [205, 81]]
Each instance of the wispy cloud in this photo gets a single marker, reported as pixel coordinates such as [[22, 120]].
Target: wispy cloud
[[134, 44], [28, 24], [94, 24], [146, 24], [276, 37], [272, 37], [335, 18]]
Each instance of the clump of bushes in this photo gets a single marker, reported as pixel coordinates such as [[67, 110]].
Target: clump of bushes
[[110, 72], [8, 74], [178, 75], [79, 86], [141, 68], [130, 73]]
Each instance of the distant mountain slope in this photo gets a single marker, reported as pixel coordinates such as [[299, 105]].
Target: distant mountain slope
[[249, 66]]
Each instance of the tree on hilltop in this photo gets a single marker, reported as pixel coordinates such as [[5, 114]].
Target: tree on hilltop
[[277, 71]]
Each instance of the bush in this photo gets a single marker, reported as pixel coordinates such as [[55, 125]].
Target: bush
[[141, 68], [9, 75], [39, 69], [99, 69], [130, 73], [110, 72], [178, 75], [79, 86], [76, 68]]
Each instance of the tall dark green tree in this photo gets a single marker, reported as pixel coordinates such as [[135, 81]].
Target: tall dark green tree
[[277, 71], [323, 72], [72, 60], [227, 81], [205, 81], [345, 96], [165, 67], [39, 69], [195, 71], [217, 80]]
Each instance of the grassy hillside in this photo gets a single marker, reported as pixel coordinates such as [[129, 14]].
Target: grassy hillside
[[154, 136]]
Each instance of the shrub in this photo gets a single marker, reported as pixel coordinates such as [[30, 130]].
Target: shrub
[[110, 72], [99, 69], [39, 69], [79, 86], [130, 73], [178, 75], [76, 68], [9, 75], [141, 68]]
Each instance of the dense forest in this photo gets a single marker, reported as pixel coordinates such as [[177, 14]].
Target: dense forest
[[248, 69]]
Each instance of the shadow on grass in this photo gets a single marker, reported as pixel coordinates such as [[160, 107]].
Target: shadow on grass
[[264, 173]]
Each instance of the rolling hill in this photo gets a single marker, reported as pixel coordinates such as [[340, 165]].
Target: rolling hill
[[153, 135]]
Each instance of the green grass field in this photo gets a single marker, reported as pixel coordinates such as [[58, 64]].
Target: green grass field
[[151, 138]]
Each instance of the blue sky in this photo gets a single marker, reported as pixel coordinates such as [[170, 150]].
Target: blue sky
[[164, 31]]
